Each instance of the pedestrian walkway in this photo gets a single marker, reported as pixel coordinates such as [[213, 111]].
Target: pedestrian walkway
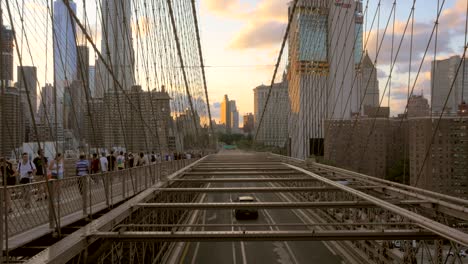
[[61, 202]]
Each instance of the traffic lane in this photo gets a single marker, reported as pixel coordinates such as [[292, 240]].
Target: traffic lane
[[256, 252], [304, 251], [233, 252], [214, 252]]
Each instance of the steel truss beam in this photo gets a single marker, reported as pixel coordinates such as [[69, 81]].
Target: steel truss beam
[[265, 235], [252, 172], [273, 205], [260, 189], [294, 179], [265, 225], [430, 225]]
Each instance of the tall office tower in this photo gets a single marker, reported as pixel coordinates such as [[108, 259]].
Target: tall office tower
[[92, 81], [27, 87], [12, 128], [226, 114], [321, 74], [27, 84], [47, 104], [99, 84], [93, 123], [443, 78], [274, 128], [117, 46], [82, 66], [234, 116], [65, 54], [6, 62], [369, 86], [249, 123], [74, 108]]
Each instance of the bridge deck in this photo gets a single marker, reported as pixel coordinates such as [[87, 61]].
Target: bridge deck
[[185, 215]]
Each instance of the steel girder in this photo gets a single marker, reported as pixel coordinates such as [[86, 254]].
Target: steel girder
[[261, 189], [272, 205], [429, 224], [265, 235]]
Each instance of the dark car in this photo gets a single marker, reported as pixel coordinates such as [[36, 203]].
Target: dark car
[[245, 213]]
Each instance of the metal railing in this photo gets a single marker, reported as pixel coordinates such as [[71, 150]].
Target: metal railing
[[61, 202]]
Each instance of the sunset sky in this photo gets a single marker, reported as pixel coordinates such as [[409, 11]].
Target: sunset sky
[[241, 32], [241, 40]]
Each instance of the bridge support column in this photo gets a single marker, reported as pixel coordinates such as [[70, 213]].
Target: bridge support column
[[438, 244]]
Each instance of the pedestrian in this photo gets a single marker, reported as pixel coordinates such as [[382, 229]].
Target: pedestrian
[[104, 162], [121, 161], [141, 160], [95, 164], [82, 170], [26, 170], [111, 161], [131, 160], [41, 165], [9, 177], [56, 167]]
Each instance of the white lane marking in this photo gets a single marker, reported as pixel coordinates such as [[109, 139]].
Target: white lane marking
[[233, 246], [244, 256], [197, 247], [270, 219], [303, 217]]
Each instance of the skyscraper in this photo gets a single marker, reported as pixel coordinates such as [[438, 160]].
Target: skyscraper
[[369, 87], [46, 105], [442, 77], [27, 88], [274, 128], [248, 123], [321, 74], [92, 81], [234, 116], [116, 45], [65, 54], [11, 130], [226, 114], [6, 67], [82, 73], [27, 83]]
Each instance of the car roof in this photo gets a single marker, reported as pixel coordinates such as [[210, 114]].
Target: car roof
[[246, 198]]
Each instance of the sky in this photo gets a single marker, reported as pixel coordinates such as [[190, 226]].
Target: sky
[[236, 32], [241, 40]]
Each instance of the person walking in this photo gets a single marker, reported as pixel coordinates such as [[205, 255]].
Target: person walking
[[56, 167], [95, 164], [26, 170], [41, 164], [104, 162], [131, 160], [121, 161], [111, 161], [82, 170]]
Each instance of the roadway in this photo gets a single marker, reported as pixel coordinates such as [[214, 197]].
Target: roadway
[[254, 252]]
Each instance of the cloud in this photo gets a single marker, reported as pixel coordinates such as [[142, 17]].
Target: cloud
[[261, 35], [225, 8], [265, 22], [451, 25]]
